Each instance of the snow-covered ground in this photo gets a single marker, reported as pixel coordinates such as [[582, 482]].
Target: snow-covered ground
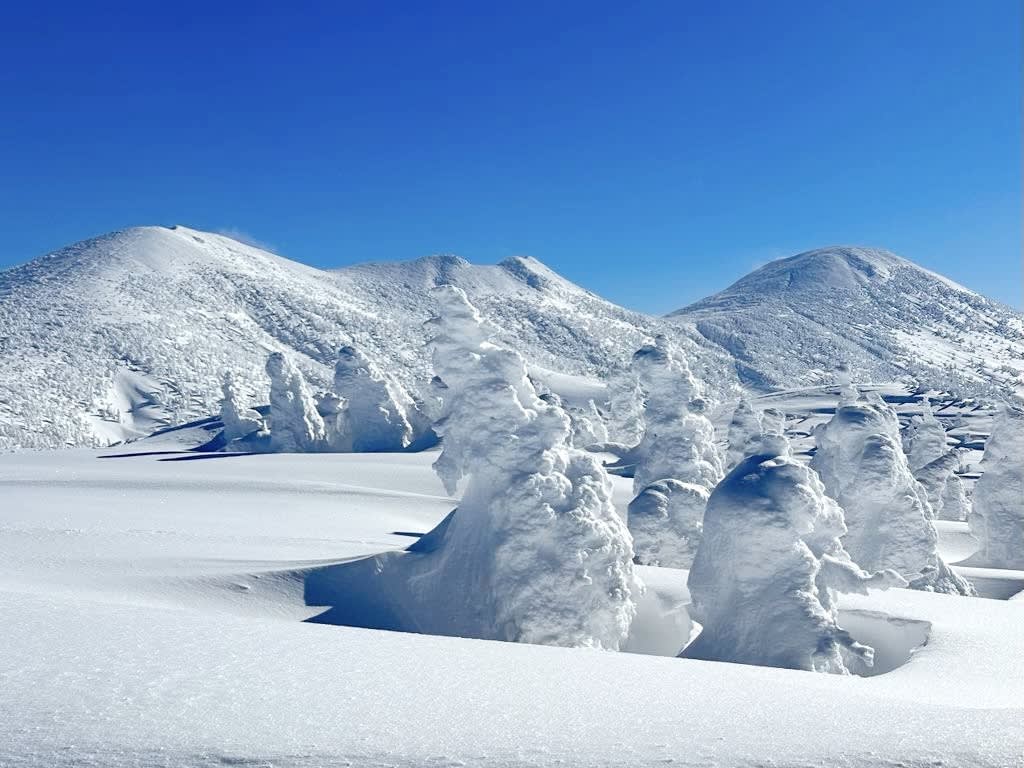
[[153, 613]]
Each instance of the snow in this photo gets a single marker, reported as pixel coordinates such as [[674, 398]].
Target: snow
[[152, 617], [788, 323], [173, 309]]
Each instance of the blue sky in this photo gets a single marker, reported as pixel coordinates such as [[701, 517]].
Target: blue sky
[[652, 152]]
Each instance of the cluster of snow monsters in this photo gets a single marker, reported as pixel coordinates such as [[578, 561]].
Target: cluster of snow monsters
[[536, 553], [365, 411]]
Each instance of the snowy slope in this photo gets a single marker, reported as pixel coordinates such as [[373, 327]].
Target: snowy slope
[[152, 609], [113, 337], [789, 323]]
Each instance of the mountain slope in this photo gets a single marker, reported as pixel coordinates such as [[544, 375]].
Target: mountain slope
[[790, 322], [112, 337]]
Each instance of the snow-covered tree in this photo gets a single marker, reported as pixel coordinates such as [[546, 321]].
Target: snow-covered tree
[[295, 425], [862, 464], [588, 425], [679, 440], [333, 409], [744, 431], [378, 407], [666, 520], [942, 485], [236, 410], [535, 551], [625, 408], [997, 518], [924, 439], [764, 580]]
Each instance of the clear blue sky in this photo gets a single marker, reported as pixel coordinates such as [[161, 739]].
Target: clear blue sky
[[653, 152]]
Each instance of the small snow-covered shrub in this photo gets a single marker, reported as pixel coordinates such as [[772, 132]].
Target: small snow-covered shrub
[[767, 569], [236, 410]]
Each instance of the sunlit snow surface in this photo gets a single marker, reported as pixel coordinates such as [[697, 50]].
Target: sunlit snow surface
[[152, 614]]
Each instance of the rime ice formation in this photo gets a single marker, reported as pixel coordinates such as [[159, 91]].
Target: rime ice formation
[[767, 568], [333, 409], [625, 408], [588, 425], [744, 433], [942, 485], [236, 411], [295, 425], [863, 467], [924, 439], [666, 519], [378, 407], [997, 518], [679, 440], [535, 552]]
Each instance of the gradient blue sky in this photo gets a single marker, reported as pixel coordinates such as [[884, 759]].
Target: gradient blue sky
[[652, 152]]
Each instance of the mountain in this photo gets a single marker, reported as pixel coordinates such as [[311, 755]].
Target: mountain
[[113, 337], [790, 322]]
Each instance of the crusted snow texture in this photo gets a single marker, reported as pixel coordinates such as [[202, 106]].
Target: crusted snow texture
[[997, 518], [295, 425], [535, 552], [378, 407], [236, 410], [769, 563], [862, 464], [679, 440], [924, 439], [939, 479], [666, 520]]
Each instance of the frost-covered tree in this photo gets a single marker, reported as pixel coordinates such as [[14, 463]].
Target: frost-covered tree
[[848, 392], [942, 485], [236, 410], [625, 408], [862, 464], [744, 433], [588, 425], [679, 440], [764, 580], [333, 409], [535, 551], [666, 520], [997, 518], [295, 425], [924, 439], [378, 407]]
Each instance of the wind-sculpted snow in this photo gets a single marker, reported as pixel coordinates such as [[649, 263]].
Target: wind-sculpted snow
[[790, 321], [862, 464], [767, 569], [114, 337], [997, 519]]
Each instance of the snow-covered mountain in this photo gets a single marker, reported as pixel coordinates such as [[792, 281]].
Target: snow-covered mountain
[[790, 322], [115, 336]]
